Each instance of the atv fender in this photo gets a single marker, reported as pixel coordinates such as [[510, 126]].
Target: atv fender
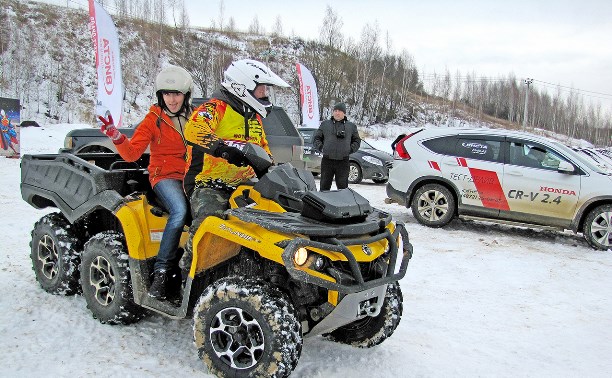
[[218, 240]]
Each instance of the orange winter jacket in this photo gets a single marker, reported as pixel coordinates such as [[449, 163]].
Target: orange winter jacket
[[167, 143]]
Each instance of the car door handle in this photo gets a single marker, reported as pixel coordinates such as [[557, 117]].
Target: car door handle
[[515, 173]]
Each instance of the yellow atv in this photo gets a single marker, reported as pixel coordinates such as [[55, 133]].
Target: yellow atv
[[287, 261]]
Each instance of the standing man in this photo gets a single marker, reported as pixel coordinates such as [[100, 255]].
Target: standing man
[[336, 139], [216, 134]]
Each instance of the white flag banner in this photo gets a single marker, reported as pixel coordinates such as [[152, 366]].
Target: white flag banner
[[108, 64], [308, 97]]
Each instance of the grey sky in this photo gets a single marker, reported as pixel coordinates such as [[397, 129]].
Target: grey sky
[[561, 42]]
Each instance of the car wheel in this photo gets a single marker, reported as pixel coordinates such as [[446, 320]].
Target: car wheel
[[246, 328], [379, 181], [106, 281], [433, 205], [55, 253], [598, 227], [355, 175]]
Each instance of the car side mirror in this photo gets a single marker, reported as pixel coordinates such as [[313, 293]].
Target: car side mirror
[[565, 167]]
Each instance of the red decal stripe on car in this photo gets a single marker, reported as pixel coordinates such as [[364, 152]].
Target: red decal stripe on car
[[434, 165], [461, 162], [489, 189]]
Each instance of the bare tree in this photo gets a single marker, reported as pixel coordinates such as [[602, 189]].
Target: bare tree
[[368, 52], [221, 14], [330, 30], [277, 29], [231, 24], [255, 27], [184, 16], [121, 8]]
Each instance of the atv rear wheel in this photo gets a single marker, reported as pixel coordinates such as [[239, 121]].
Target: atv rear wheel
[[246, 328], [371, 331], [105, 279], [55, 253]]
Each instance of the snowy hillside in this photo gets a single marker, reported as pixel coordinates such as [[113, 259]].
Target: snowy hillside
[[479, 300]]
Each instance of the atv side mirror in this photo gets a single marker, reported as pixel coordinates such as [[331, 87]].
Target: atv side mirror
[[258, 158]]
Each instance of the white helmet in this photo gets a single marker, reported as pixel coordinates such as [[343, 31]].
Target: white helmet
[[241, 78], [174, 79]]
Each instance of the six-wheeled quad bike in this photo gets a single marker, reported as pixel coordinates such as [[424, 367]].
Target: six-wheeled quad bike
[[287, 261]]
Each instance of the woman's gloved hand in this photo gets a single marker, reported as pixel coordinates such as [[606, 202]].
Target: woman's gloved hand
[[108, 127]]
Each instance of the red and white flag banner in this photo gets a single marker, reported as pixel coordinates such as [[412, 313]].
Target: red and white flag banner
[[309, 99], [108, 63]]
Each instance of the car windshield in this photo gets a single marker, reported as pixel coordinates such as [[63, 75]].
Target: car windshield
[[307, 135], [580, 157], [597, 159], [365, 146]]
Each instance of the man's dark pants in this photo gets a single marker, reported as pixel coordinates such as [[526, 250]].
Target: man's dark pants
[[331, 168]]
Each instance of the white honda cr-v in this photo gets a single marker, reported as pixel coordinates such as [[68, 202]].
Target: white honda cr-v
[[504, 176]]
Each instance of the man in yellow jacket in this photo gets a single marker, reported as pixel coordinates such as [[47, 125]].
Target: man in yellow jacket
[[217, 132]]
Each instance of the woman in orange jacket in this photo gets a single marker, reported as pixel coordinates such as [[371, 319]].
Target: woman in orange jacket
[[162, 131]]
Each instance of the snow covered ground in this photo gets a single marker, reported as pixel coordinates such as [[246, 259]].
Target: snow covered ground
[[479, 300]]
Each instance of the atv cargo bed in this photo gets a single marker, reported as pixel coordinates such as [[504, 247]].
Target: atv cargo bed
[[77, 185]]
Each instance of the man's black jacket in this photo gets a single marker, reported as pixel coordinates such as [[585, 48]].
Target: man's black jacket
[[337, 139]]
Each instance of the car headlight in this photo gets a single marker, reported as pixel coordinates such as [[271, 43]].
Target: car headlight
[[372, 160], [68, 142]]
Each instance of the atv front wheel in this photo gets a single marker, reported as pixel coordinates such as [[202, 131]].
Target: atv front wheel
[[105, 279], [55, 253], [371, 331], [246, 328]]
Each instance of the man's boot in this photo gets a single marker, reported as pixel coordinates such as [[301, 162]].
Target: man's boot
[[159, 287]]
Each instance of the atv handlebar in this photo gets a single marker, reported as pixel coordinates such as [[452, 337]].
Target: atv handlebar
[[257, 158]]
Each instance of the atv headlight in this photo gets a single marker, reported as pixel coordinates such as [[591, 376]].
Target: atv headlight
[[373, 160], [300, 256], [318, 263]]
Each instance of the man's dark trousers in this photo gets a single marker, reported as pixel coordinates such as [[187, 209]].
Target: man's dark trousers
[[331, 168]]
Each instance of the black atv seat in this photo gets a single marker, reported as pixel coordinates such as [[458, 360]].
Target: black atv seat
[[286, 185]]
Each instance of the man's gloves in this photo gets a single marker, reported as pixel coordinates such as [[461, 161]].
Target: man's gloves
[[108, 128], [232, 154]]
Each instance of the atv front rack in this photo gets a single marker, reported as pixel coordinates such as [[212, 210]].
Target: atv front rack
[[296, 223], [335, 245]]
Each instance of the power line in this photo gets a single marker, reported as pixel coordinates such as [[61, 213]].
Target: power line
[[572, 89], [485, 79]]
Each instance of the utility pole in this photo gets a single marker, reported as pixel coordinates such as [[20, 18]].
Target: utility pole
[[528, 82]]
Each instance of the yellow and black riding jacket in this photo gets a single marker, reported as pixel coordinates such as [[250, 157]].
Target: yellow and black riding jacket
[[220, 120]]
